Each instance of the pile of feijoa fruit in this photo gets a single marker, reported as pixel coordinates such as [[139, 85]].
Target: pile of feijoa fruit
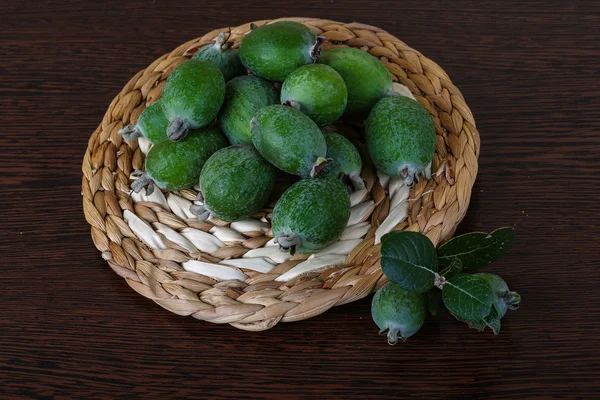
[[233, 121]]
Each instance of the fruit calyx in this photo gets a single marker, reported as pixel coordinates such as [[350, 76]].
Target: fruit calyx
[[353, 182], [144, 181], [288, 242], [317, 49], [410, 174], [512, 300], [292, 103], [131, 132], [393, 333], [318, 166], [221, 41], [200, 210], [177, 129]]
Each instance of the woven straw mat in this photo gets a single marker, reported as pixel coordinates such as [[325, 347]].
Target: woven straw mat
[[234, 273]]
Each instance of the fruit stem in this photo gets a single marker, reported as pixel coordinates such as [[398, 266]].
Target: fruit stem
[[317, 49], [318, 166], [130, 132], [440, 281], [292, 103], [144, 181], [200, 211], [288, 242], [177, 129]]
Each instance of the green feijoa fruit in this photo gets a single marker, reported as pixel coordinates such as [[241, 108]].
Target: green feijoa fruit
[[318, 91], [152, 124], [398, 311], [503, 298], [273, 51], [223, 57], [192, 97], [244, 96], [401, 137], [289, 140], [177, 165], [235, 182], [367, 79], [311, 215], [346, 163]]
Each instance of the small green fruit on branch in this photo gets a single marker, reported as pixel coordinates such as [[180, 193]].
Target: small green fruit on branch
[[398, 312]]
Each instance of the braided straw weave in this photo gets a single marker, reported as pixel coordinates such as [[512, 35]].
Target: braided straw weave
[[166, 255]]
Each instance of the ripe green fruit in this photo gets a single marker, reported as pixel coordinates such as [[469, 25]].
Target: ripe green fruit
[[236, 182], [318, 91], [273, 51], [152, 124], [176, 166], [244, 96], [311, 215], [192, 97], [346, 163], [367, 79], [503, 298], [401, 137], [289, 140], [399, 312], [223, 57]]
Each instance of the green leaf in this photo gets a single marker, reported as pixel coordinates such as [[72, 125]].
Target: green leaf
[[409, 260], [467, 297], [454, 268], [477, 249], [434, 301], [492, 321]]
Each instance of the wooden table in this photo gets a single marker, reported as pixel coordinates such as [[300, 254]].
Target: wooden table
[[71, 328]]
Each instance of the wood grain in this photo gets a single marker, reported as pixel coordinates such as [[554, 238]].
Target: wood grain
[[71, 328]]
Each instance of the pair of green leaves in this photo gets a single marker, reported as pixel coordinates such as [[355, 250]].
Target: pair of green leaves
[[411, 261]]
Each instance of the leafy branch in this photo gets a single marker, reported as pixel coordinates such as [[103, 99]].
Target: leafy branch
[[411, 263]]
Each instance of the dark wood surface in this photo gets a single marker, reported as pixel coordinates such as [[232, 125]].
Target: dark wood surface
[[71, 328]]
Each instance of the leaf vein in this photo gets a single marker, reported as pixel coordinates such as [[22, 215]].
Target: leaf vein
[[410, 263], [465, 292]]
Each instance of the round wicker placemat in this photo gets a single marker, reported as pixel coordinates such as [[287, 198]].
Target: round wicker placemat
[[232, 273]]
